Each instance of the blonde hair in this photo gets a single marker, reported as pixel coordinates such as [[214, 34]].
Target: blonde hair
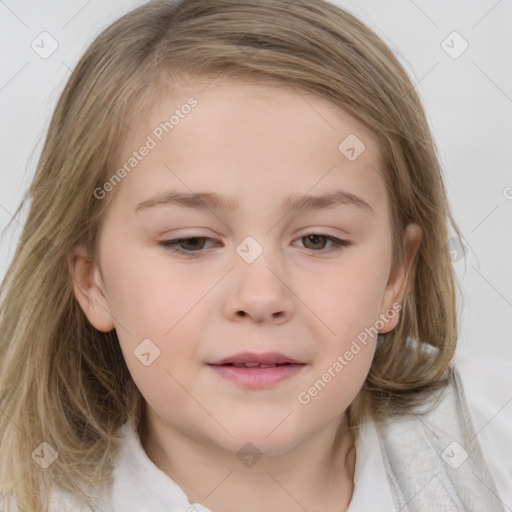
[[66, 383]]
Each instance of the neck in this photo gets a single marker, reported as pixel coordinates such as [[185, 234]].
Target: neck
[[316, 475]]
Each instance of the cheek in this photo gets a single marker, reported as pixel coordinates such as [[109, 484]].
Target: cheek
[[344, 359], [160, 331], [350, 297], [338, 382], [345, 350], [148, 295], [155, 309]]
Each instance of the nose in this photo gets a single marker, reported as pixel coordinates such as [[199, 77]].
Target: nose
[[260, 291]]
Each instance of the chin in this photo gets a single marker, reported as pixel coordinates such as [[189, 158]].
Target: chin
[[263, 441]]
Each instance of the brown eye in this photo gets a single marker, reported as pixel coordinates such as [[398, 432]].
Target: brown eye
[[316, 242], [192, 244], [187, 246]]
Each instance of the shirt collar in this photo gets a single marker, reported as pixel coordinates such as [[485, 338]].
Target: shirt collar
[[139, 485]]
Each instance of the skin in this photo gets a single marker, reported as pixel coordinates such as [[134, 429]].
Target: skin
[[258, 143]]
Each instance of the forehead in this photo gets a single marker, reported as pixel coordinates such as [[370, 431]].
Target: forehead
[[236, 137]]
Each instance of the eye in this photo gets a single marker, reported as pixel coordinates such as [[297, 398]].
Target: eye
[[187, 246], [193, 246], [317, 241]]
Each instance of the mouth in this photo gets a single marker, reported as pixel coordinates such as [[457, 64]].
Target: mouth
[[257, 370], [255, 365], [251, 359]]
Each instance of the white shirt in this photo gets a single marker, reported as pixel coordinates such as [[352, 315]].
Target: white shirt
[[140, 486]]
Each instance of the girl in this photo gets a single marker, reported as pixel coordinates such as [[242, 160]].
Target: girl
[[233, 290]]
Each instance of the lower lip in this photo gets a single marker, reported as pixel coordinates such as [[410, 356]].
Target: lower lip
[[257, 377]]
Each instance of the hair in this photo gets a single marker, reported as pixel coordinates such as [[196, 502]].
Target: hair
[[66, 383]]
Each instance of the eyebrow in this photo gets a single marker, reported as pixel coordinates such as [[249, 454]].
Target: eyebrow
[[212, 201]]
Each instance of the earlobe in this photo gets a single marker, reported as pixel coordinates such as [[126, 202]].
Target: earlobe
[[89, 289], [397, 283]]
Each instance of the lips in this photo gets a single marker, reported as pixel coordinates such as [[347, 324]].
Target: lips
[[254, 365], [257, 371], [253, 360]]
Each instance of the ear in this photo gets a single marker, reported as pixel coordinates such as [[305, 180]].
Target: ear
[[395, 288], [89, 289]]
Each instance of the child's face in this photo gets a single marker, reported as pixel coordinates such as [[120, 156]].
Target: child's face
[[300, 298]]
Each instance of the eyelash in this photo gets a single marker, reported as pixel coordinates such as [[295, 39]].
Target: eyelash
[[172, 245]]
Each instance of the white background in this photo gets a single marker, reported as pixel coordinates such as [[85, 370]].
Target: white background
[[468, 102]]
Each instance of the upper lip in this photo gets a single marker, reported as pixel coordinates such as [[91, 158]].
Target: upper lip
[[251, 357]]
